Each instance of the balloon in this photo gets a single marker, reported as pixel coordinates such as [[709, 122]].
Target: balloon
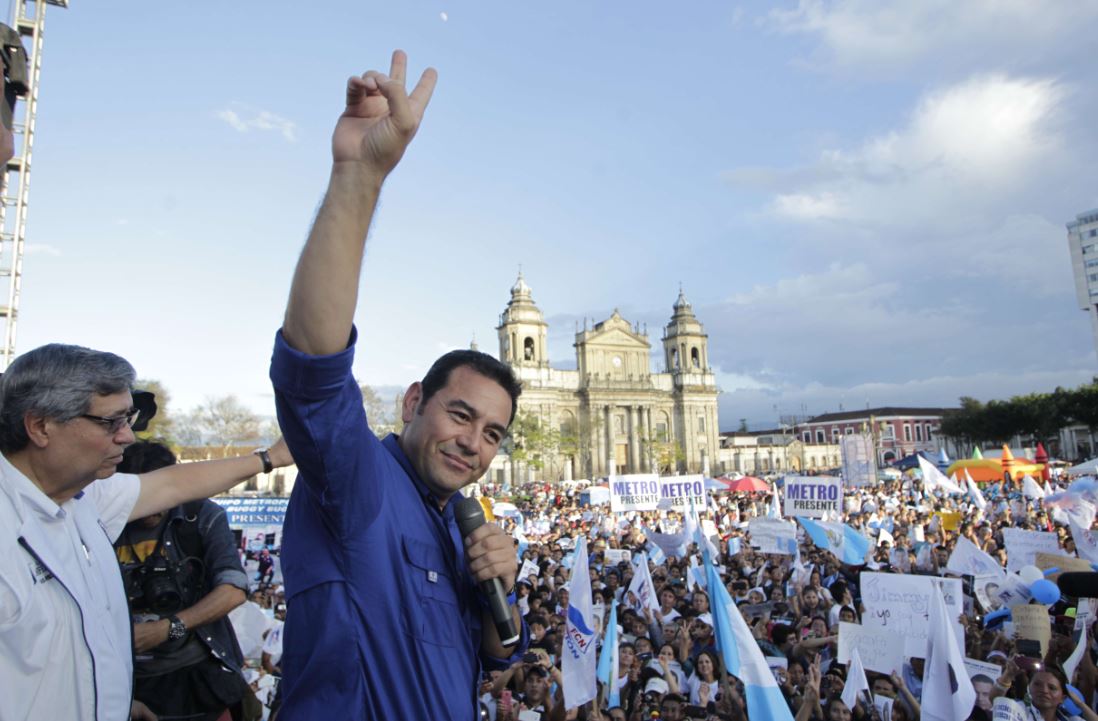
[[1029, 574], [1045, 591]]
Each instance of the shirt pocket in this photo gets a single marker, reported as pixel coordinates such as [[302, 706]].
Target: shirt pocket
[[433, 614]]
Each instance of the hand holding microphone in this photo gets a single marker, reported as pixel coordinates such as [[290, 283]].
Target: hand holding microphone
[[490, 555]]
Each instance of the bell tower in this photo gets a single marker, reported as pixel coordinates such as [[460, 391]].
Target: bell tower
[[522, 330], [685, 344]]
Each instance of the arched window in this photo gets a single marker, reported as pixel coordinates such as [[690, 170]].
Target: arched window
[[528, 349], [695, 358], [674, 358]]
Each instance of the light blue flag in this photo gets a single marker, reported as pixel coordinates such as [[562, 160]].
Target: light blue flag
[[846, 543], [742, 656], [735, 545], [608, 659]]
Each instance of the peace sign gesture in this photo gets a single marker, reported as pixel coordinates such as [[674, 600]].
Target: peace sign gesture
[[381, 118]]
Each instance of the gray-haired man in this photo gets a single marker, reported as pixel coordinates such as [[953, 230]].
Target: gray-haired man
[[66, 415]]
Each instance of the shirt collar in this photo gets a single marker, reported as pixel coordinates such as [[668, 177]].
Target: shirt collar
[[31, 495], [392, 444]]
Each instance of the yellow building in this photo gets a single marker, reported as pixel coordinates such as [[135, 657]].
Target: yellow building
[[613, 413]]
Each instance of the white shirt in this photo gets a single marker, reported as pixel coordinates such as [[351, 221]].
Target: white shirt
[[65, 633]]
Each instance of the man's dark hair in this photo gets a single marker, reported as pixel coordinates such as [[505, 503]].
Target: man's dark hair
[[145, 456], [439, 375], [781, 633]]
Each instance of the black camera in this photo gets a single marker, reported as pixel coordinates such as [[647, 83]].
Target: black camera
[[157, 585]]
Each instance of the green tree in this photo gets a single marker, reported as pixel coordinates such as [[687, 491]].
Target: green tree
[[222, 422], [532, 442]]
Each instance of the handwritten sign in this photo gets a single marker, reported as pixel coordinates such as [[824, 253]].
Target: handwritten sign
[[773, 535], [1022, 546], [876, 647], [1031, 623], [1066, 564], [529, 568], [635, 492], [813, 496], [900, 604]]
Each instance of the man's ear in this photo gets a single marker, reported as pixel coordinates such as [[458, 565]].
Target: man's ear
[[38, 429], [412, 397]]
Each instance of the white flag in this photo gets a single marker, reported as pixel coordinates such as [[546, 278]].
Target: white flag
[[974, 492], [1086, 545], [967, 558], [932, 478], [1076, 656], [579, 660], [947, 690], [642, 588], [856, 681], [1030, 489]]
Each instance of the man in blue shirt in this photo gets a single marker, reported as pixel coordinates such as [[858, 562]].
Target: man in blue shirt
[[384, 618]]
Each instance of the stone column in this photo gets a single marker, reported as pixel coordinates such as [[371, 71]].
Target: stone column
[[608, 422], [634, 440]]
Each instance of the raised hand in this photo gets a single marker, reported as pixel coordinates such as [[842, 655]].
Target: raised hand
[[381, 118]]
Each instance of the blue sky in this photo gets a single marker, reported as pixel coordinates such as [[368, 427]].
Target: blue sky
[[864, 201]]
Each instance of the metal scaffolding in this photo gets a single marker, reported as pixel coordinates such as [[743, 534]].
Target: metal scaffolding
[[29, 18]]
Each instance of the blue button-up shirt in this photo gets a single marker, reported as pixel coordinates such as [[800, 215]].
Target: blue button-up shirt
[[383, 618]]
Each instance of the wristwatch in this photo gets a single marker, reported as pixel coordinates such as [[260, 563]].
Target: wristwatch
[[177, 629]]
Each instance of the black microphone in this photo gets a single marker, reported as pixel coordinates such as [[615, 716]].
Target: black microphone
[[470, 517], [1079, 585]]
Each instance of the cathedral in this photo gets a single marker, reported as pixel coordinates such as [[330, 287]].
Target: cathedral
[[613, 413]]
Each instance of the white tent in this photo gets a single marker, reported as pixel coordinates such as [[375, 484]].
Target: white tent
[[1090, 466]]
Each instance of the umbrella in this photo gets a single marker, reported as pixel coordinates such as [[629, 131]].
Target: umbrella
[[749, 484]]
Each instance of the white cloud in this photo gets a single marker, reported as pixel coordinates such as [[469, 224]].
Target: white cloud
[[875, 36], [245, 119], [964, 148], [42, 249]]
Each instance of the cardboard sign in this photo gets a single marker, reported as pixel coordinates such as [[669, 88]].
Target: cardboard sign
[[900, 604], [1032, 623], [1023, 546], [1066, 564], [773, 535], [949, 520], [813, 496], [876, 647], [635, 492]]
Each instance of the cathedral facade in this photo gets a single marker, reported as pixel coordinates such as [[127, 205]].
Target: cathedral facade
[[613, 414]]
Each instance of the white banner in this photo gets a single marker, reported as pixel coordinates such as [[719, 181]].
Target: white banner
[[1022, 546], [859, 468], [677, 492], [900, 604], [967, 558], [877, 648], [813, 496], [634, 492], [773, 535]]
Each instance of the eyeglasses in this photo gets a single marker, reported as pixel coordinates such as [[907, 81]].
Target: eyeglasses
[[113, 424]]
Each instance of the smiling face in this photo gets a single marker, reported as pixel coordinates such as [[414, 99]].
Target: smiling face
[[452, 437]]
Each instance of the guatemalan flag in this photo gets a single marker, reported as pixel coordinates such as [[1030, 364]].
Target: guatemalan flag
[[608, 659], [844, 542], [579, 656], [742, 656]]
